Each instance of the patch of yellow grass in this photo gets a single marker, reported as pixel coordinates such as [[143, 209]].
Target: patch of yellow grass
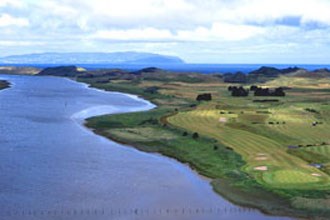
[[300, 82]]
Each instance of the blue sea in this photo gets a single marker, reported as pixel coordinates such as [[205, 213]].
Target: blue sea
[[200, 68]]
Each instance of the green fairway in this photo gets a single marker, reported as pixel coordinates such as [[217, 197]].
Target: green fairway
[[293, 177], [323, 150]]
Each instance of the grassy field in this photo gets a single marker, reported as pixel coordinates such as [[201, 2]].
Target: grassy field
[[241, 144], [300, 82]]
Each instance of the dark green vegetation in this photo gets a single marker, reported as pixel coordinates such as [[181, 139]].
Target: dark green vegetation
[[69, 71], [4, 84], [148, 133], [264, 153], [204, 97], [260, 75], [258, 91]]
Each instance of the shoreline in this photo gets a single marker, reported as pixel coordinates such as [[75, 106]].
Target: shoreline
[[130, 144]]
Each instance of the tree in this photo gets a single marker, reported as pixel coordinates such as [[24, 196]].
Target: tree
[[204, 97], [239, 91], [195, 135], [279, 92], [151, 90], [261, 92], [258, 91], [253, 88]]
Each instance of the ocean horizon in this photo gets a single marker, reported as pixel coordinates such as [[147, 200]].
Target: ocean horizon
[[187, 67]]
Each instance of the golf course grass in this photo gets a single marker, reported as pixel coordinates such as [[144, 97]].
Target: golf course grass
[[274, 156], [264, 156]]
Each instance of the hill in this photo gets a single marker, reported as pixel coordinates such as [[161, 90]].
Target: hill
[[62, 71], [92, 58], [316, 74]]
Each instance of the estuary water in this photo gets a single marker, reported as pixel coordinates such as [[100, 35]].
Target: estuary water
[[52, 167]]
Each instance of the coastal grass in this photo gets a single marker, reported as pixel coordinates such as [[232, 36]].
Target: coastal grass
[[146, 133]]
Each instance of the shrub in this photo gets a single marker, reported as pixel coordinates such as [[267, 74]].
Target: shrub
[[258, 91], [195, 135], [238, 92], [151, 90], [204, 97]]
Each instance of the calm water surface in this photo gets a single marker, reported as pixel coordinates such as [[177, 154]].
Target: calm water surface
[[54, 168]]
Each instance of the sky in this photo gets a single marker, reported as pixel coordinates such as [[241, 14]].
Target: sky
[[198, 31]]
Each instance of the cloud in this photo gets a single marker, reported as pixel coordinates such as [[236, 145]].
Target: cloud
[[11, 3], [197, 30], [217, 32], [8, 20], [268, 11], [143, 34], [9, 43], [221, 32], [128, 13]]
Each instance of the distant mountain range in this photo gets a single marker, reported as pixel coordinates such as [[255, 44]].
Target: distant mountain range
[[92, 58]]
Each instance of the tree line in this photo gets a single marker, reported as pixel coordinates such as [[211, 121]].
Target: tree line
[[258, 91]]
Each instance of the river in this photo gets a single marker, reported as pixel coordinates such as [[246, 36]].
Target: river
[[52, 167]]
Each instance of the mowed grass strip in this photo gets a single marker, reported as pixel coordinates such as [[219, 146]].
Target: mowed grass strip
[[324, 150], [299, 124]]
